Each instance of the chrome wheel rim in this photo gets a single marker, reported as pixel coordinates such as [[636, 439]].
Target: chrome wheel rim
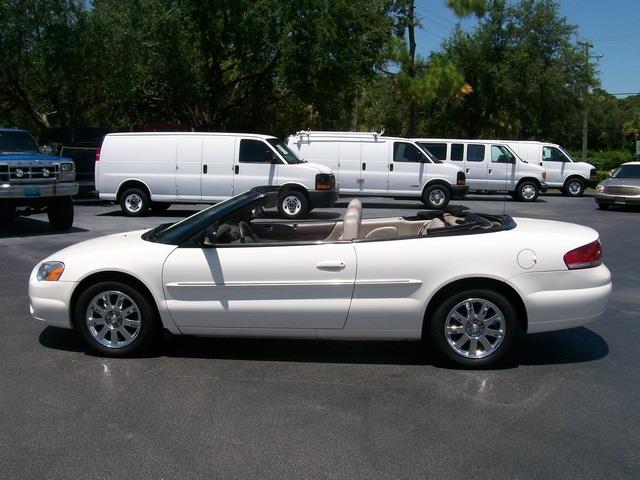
[[528, 192], [475, 328], [133, 202], [436, 197], [575, 188], [113, 319], [291, 205]]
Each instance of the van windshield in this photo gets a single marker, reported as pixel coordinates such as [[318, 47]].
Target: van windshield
[[288, 154], [567, 154]]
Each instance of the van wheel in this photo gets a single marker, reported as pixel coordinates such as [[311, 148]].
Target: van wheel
[[474, 328], [60, 213], [574, 187], [134, 202], [436, 197], [528, 191], [293, 204]]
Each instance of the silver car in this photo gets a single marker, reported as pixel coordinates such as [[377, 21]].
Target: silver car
[[622, 188]]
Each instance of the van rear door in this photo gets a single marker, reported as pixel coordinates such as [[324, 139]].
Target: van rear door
[[188, 168], [374, 166]]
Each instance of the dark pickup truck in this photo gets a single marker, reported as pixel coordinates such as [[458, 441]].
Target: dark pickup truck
[[35, 181]]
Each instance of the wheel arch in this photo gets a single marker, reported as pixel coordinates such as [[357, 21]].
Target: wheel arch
[[574, 176], [294, 186], [528, 179], [475, 282], [132, 183], [114, 276]]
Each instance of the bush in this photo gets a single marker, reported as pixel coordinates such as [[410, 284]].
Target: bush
[[606, 160]]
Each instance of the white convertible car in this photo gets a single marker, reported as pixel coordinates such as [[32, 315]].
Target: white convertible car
[[471, 284]]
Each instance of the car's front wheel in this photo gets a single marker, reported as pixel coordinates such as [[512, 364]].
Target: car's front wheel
[[115, 319], [436, 197], [474, 328]]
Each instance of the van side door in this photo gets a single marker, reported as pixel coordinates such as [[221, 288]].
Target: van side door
[[217, 168], [407, 168], [501, 173], [374, 165], [475, 165], [188, 165], [255, 164]]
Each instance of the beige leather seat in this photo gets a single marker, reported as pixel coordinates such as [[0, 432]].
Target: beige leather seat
[[352, 220], [382, 232]]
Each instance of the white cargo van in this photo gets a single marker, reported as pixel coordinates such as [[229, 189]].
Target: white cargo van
[[375, 165], [562, 171], [153, 170], [490, 166]]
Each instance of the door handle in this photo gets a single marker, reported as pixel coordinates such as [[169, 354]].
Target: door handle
[[467, 170], [236, 169], [391, 167], [490, 171], [364, 166], [204, 169], [331, 265]]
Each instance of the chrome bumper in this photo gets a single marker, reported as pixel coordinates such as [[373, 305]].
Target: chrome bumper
[[35, 191]]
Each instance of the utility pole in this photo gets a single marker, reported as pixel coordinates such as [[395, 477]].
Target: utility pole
[[411, 68], [586, 46]]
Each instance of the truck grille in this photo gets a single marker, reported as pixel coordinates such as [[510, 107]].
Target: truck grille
[[621, 190], [30, 174]]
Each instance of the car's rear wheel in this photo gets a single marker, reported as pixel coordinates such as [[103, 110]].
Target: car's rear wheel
[[574, 187], [115, 319], [474, 328], [134, 202], [436, 197]]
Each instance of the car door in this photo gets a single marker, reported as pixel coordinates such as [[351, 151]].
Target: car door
[[374, 163], [501, 169], [407, 168], [555, 163], [475, 166], [255, 164], [304, 286], [217, 167], [188, 168]]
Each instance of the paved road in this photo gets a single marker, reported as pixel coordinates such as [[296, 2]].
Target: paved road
[[566, 407]]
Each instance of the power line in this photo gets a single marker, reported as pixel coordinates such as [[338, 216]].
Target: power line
[[436, 15]]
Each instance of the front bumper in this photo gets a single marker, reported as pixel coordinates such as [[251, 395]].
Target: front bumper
[[49, 301], [563, 299], [608, 199], [37, 191], [322, 198]]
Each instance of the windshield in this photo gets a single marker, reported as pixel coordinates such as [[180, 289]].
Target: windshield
[[176, 233], [427, 154], [627, 171], [567, 154], [288, 154], [17, 142]]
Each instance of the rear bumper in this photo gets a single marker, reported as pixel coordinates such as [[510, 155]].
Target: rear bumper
[[322, 198], [37, 191], [561, 300]]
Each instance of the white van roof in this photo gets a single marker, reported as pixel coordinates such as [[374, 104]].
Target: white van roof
[[185, 134], [485, 140], [358, 135]]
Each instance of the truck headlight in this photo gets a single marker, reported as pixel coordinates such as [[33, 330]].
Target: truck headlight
[[50, 271]]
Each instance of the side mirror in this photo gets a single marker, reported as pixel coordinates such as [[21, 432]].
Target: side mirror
[[210, 235], [46, 149]]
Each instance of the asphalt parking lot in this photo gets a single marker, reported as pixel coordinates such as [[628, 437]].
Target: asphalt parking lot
[[565, 407]]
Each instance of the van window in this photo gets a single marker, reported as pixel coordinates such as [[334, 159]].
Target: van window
[[500, 154], [405, 152], [552, 154], [255, 151], [438, 150], [475, 153], [457, 152]]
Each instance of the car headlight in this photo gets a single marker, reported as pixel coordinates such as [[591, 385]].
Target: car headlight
[[600, 188], [50, 271]]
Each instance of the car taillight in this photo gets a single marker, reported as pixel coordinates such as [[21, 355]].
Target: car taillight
[[325, 181], [98, 153], [460, 179], [587, 256]]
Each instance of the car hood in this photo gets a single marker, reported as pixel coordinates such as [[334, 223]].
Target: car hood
[[30, 157], [635, 182], [98, 245], [318, 167]]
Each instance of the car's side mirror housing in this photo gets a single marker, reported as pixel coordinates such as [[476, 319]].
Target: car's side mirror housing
[[210, 235], [46, 149]]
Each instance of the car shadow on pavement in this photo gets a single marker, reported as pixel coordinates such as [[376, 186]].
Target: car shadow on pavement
[[31, 227], [565, 347]]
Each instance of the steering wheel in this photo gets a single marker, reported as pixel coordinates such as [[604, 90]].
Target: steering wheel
[[246, 233]]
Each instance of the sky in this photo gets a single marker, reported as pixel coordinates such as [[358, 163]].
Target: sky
[[612, 26]]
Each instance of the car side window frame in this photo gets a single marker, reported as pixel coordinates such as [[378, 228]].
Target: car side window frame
[[276, 159]]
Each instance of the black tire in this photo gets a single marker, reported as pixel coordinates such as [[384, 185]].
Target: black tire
[[159, 207], [573, 187], [60, 213], [527, 191], [135, 202], [436, 197], [440, 339], [293, 204], [603, 206], [149, 324]]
